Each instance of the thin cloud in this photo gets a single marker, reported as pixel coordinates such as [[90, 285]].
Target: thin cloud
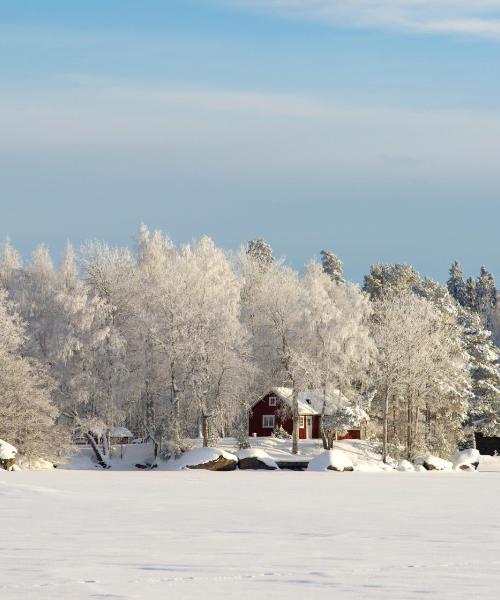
[[467, 17]]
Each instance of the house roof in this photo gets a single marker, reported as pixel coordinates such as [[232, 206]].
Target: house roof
[[310, 401], [121, 432]]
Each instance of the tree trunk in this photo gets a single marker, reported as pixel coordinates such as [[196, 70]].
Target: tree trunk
[[100, 458], [205, 429], [386, 418], [295, 416]]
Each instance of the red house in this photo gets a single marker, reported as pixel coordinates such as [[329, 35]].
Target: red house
[[274, 409]]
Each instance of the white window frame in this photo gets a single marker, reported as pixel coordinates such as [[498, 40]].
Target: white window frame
[[302, 422], [272, 400], [264, 417]]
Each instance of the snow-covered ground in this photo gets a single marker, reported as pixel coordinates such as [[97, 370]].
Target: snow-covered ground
[[143, 535]]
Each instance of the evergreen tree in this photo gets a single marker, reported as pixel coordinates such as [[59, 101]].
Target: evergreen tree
[[456, 284], [332, 266], [471, 293], [486, 292], [262, 252], [384, 278]]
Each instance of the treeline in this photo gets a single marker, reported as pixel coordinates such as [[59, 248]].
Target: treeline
[[176, 342]]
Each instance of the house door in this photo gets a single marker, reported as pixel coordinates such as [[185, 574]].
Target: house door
[[309, 428]]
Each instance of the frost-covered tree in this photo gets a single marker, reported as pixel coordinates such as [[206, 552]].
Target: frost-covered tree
[[261, 251], [340, 347], [471, 293], [10, 262], [332, 266], [456, 284], [422, 367], [384, 278], [27, 415]]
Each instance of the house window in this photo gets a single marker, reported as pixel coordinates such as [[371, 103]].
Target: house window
[[272, 400], [268, 421], [301, 422]]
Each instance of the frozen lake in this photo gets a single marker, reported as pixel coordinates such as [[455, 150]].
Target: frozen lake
[[196, 535]]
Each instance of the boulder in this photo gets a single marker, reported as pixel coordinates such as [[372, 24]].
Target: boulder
[[466, 460], [331, 460], [255, 459], [7, 456], [209, 459], [434, 463]]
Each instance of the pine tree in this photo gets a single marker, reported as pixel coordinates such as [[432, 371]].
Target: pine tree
[[471, 293], [486, 295], [456, 284], [262, 252], [332, 266]]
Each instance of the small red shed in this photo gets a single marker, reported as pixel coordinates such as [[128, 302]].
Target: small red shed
[[274, 409]]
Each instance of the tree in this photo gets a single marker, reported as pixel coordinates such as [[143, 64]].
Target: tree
[[422, 367], [10, 262], [383, 278], [341, 349], [332, 266], [27, 415], [262, 252], [456, 284], [278, 334]]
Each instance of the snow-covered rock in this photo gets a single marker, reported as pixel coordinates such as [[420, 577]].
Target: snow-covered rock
[[420, 469], [466, 460], [255, 458], [331, 460], [8, 455], [434, 463], [211, 459], [33, 464], [405, 465]]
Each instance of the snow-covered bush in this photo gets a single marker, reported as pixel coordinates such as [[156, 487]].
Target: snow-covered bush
[[331, 460], [280, 433], [405, 465]]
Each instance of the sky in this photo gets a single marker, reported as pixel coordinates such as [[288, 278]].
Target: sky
[[368, 127]]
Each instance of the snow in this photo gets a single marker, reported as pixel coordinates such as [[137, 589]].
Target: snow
[[337, 459], [405, 465], [7, 451], [121, 432], [198, 456], [191, 535], [257, 453], [310, 401], [466, 458]]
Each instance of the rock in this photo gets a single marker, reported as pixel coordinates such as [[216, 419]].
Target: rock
[[466, 460], [331, 460], [219, 464], [209, 459], [7, 455], [434, 463], [7, 463], [256, 459]]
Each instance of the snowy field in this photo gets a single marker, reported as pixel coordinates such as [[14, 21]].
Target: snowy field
[[201, 535]]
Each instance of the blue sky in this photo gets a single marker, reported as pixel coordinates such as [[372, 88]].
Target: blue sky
[[312, 123]]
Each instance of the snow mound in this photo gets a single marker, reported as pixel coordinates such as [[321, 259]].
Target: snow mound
[[434, 463], [331, 460], [405, 465], [33, 464], [7, 451], [420, 469], [259, 454], [466, 460], [199, 456]]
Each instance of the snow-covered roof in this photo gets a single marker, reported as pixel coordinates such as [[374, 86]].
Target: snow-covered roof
[[121, 432], [310, 401]]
